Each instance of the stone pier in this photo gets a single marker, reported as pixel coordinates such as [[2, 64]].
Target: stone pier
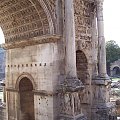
[[102, 109], [70, 88]]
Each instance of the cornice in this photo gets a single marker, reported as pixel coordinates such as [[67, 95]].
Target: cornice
[[33, 41]]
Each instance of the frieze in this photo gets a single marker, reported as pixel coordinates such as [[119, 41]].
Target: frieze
[[34, 41]]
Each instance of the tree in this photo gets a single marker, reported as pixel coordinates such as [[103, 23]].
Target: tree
[[112, 53]]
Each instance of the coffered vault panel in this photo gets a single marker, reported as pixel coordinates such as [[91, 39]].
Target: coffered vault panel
[[24, 19]]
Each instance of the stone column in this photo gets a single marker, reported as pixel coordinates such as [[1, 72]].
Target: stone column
[[94, 44], [70, 39], [70, 51], [70, 102], [102, 108], [101, 39]]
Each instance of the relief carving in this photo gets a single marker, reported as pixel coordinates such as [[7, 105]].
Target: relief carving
[[70, 104], [22, 20]]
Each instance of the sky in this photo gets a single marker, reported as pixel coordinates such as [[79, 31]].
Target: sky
[[111, 21]]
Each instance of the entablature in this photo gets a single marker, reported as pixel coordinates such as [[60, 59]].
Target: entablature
[[32, 41]]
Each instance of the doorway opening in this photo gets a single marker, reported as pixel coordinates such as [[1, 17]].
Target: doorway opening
[[26, 99]]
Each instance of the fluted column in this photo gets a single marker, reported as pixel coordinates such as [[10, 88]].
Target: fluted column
[[70, 39], [101, 39]]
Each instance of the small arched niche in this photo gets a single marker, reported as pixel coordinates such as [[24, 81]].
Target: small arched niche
[[82, 66], [26, 99]]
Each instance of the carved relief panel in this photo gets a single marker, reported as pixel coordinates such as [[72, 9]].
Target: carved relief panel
[[70, 104]]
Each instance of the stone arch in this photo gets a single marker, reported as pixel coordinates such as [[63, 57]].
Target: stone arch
[[25, 19], [113, 66], [82, 66], [116, 71], [25, 75]]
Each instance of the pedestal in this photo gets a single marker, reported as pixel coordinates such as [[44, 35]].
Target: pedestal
[[102, 108], [70, 100], [78, 117]]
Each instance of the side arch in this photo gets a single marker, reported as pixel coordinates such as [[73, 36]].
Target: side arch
[[82, 66], [23, 75]]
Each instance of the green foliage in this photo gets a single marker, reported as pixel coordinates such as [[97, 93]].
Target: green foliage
[[112, 51]]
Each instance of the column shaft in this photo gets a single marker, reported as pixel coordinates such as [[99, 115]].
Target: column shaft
[[70, 39], [101, 40], [94, 44]]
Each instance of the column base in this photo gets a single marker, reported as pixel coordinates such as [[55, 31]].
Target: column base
[[103, 111], [67, 117], [101, 80]]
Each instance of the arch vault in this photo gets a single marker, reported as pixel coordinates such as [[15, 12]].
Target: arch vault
[[45, 76]]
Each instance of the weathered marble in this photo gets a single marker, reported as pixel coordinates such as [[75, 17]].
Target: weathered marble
[[51, 60]]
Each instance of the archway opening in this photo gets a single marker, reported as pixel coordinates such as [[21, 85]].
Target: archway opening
[[82, 66], [26, 99], [116, 71]]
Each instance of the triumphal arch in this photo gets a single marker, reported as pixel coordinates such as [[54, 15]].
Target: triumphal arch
[[55, 60]]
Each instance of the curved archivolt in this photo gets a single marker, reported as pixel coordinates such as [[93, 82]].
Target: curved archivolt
[[24, 19]]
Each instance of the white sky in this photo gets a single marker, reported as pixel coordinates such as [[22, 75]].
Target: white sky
[[2, 40], [111, 21]]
